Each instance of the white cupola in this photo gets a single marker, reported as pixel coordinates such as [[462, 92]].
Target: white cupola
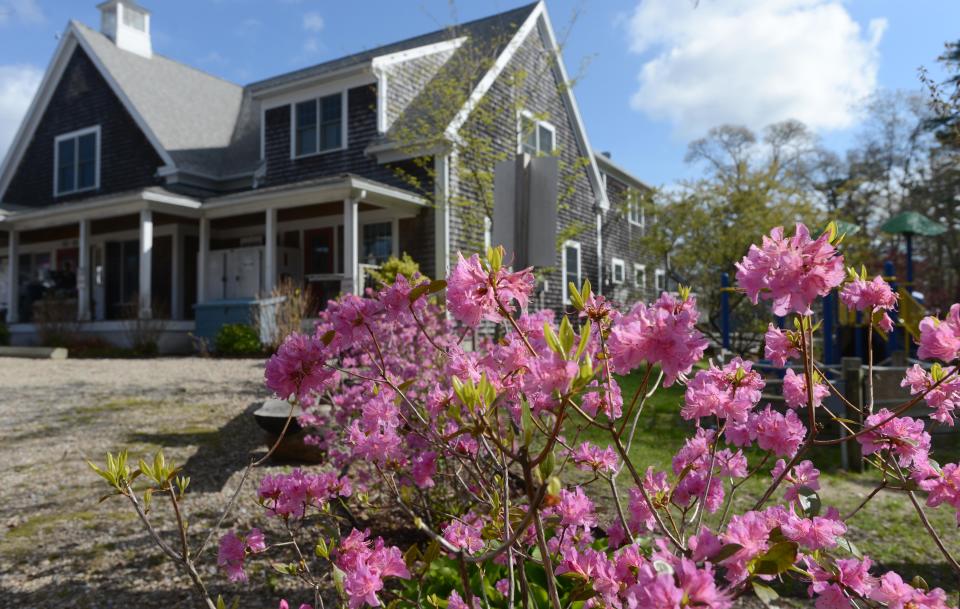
[[127, 24]]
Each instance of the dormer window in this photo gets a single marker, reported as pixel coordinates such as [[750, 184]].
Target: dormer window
[[319, 125], [77, 161], [536, 137]]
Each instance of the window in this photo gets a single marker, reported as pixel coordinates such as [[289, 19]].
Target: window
[[660, 279], [377, 243], [571, 268], [319, 125], [77, 161], [134, 18], [634, 210], [536, 137], [640, 276], [619, 271]]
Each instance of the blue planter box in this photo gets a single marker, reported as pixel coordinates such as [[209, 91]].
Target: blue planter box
[[211, 316]]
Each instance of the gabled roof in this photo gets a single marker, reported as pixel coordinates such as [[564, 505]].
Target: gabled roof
[[485, 29], [193, 114]]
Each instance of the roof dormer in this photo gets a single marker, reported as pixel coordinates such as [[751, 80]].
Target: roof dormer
[[127, 24]]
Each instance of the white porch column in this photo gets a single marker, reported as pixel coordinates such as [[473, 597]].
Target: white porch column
[[270, 252], [351, 230], [83, 273], [146, 263], [202, 256], [13, 278], [176, 274], [441, 216]]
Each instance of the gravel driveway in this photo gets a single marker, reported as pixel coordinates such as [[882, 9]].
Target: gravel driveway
[[59, 547]]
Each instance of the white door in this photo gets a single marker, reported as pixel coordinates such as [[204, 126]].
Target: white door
[[243, 272], [216, 275]]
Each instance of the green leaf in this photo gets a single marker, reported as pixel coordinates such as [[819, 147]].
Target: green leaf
[[328, 337], [809, 501], [765, 593], [547, 465], [919, 582], [417, 292], [575, 298], [726, 552], [566, 336], [551, 338], [778, 559], [585, 332], [846, 545], [436, 286], [321, 549]]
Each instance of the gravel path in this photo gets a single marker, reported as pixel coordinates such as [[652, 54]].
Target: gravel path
[[59, 547]]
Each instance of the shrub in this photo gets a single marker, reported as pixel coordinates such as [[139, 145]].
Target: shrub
[[238, 340], [482, 451]]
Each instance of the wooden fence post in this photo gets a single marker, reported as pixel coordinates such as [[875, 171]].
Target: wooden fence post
[[853, 392]]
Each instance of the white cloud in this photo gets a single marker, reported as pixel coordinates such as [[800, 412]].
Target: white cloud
[[752, 62], [18, 83], [25, 11], [313, 22], [311, 45]]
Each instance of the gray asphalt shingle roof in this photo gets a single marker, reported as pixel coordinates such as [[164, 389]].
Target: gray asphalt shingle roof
[[211, 126]]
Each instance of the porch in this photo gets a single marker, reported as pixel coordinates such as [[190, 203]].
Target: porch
[[152, 255]]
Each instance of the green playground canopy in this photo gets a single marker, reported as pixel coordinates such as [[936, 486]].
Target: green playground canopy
[[912, 223]]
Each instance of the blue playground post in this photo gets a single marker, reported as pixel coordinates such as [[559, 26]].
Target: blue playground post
[[893, 339], [829, 315], [909, 262], [725, 309]]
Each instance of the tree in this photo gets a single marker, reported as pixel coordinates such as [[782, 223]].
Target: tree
[[750, 185]]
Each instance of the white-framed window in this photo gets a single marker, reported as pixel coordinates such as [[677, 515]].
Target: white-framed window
[[660, 280], [635, 214], [319, 125], [640, 276], [487, 233], [134, 18], [619, 269], [571, 267], [536, 136], [76, 161]]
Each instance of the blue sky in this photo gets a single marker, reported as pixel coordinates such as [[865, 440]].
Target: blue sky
[[653, 73]]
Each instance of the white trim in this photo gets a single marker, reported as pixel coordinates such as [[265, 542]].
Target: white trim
[[659, 275], [642, 268], [344, 112], [417, 52], [76, 135], [633, 206], [441, 215], [493, 73], [564, 280], [618, 263], [580, 130], [381, 101], [104, 207], [360, 74]]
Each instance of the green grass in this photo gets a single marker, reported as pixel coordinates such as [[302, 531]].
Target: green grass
[[887, 529]]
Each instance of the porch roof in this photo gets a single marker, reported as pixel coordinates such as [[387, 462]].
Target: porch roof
[[153, 198], [322, 190]]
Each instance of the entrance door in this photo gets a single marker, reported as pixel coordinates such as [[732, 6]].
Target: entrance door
[[318, 266], [318, 251], [122, 278]]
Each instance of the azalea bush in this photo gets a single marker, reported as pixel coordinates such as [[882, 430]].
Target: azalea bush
[[447, 407]]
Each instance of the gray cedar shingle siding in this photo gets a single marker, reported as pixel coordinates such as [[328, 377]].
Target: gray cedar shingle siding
[[405, 80], [621, 240], [361, 130], [83, 99], [541, 88]]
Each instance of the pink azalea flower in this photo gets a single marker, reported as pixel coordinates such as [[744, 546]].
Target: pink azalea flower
[[902, 436], [503, 586], [600, 399], [699, 586], [233, 550], [776, 432], [940, 339], [944, 487], [424, 468], [944, 398], [474, 294], [576, 509], [591, 457], [664, 333], [463, 536], [815, 533], [863, 295], [366, 566], [779, 346], [791, 272], [299, 369], [795, 390], [804, 474], [897, 594], [728, 392]]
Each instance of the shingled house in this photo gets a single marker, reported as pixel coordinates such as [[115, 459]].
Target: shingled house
[[138, 187]]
